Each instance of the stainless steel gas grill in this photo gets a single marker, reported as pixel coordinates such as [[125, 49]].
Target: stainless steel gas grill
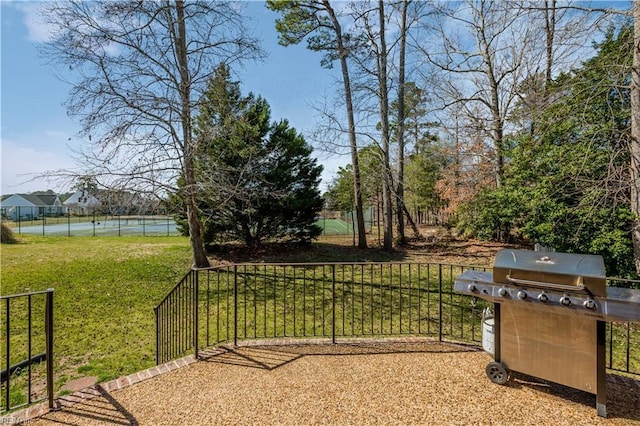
[[550, 313]]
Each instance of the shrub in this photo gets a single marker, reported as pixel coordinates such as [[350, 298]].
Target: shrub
[[6, 235]]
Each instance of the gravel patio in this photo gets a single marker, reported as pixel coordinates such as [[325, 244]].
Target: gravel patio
[[350, 383]]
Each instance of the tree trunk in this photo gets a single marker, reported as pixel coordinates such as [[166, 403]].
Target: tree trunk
[[401, 71], [342, 53], [416, 231], [387, 242], [195, 224], [635, 136], [550, 29]]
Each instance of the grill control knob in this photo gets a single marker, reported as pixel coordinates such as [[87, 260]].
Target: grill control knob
[[502, 292], [472, 287], [590, 304], [522, 295], [565, 301], [543, 298]]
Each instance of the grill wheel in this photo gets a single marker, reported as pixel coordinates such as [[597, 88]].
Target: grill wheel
[[497, 373]]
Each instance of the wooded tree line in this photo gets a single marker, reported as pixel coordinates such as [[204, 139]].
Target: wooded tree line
[[513, 116], [519, 116]]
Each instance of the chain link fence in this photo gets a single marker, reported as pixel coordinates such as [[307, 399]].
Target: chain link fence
[[59, 221]]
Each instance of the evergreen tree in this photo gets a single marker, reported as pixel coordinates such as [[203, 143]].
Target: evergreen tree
[[260, 181]]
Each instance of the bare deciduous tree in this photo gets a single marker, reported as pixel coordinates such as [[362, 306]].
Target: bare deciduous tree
[[137, 71], [634, 148], [480, 47], [400, 206], [373, 59]]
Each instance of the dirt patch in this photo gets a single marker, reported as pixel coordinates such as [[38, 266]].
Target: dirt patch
[[79, 384], [438, 246]]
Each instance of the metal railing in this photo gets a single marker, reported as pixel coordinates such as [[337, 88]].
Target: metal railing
[[339, 300], [332, 301], [26, 331]]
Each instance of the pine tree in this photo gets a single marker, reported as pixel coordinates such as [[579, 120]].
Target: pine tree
[[261, 182]]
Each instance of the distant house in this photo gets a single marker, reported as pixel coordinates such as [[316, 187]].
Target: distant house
[[30, 206], [82, 202], [109, 202]]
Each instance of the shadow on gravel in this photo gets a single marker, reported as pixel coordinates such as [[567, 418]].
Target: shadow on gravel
[[623, 394], [272, 356], [99, 407], [250, 357]]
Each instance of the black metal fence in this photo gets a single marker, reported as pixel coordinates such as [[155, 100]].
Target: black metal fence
[[26, 332], [333, 301]]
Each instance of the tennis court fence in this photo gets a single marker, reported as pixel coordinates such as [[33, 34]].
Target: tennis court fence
[[94, 224], [161, 224], [35, 221]]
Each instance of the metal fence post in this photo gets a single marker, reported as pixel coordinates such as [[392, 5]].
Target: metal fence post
[[440, 302], [195, 311], [628, 344], [235, 305], [8, 352], [333, 304], [155, 310], [49, 337]]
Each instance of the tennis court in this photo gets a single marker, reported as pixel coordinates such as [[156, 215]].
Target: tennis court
[[128, 225], [342, 223], [131, 225], [335, 227]]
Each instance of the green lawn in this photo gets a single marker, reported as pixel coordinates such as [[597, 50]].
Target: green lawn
[[105, 292]]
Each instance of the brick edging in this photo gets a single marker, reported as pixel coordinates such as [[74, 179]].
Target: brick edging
[[95, 391]]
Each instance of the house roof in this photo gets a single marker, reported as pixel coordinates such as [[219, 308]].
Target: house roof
[[48, 199], [36, 200]]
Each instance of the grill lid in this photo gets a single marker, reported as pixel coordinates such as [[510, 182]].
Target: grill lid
[[560, 271]]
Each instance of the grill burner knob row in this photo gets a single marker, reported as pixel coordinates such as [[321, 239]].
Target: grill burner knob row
[[522, 295], [543, 298], [565, 301]]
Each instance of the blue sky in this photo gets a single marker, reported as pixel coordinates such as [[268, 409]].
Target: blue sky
[[36, 135]]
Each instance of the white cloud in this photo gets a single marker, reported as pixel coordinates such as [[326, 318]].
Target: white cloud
[[23, 167], [39, 31]]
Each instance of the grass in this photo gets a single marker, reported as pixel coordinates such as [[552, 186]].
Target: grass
[[105, 292]]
